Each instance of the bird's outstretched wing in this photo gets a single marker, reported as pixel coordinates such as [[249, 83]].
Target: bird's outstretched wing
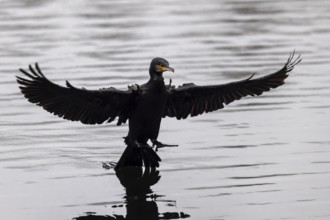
[[87, 106], [193, 100]]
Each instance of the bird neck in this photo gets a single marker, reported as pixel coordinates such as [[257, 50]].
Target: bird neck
[[154, 76]]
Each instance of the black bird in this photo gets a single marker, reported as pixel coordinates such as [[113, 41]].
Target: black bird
[[142, 105]]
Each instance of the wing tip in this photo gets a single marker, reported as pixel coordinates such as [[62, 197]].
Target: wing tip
[[292, 61], [33, 72]]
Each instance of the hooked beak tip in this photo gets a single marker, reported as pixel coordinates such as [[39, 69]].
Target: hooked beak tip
[[170, 69]]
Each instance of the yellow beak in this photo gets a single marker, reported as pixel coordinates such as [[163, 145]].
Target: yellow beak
[[162, 68], [167, 68]]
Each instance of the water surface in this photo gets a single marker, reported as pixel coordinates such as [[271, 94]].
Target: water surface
[[259, 158]]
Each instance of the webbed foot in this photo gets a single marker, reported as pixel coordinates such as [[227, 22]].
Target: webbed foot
[[159, 144]]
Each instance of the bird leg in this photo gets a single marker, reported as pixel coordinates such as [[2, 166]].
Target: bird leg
[[159, 144]]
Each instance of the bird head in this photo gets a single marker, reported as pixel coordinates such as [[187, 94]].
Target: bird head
[[158, 66]]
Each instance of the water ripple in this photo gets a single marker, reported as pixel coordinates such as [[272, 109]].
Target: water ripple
[[269, 152]]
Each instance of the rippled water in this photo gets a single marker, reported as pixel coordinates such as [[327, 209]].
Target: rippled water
[[259, 158]]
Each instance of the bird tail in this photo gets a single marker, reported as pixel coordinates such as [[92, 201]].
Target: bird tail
[[138, 156]]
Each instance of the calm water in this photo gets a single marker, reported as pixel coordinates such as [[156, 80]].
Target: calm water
[[259, 158]]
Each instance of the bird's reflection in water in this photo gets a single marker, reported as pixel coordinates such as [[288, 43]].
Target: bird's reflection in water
[[141, 203]]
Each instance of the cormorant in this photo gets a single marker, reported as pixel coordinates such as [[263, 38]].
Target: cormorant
[[144, 105]]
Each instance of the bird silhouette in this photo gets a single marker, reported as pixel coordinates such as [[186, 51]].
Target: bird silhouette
[[143, 106]]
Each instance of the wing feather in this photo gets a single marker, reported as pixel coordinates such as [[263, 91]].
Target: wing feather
[[193, 100], [87, 106]]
